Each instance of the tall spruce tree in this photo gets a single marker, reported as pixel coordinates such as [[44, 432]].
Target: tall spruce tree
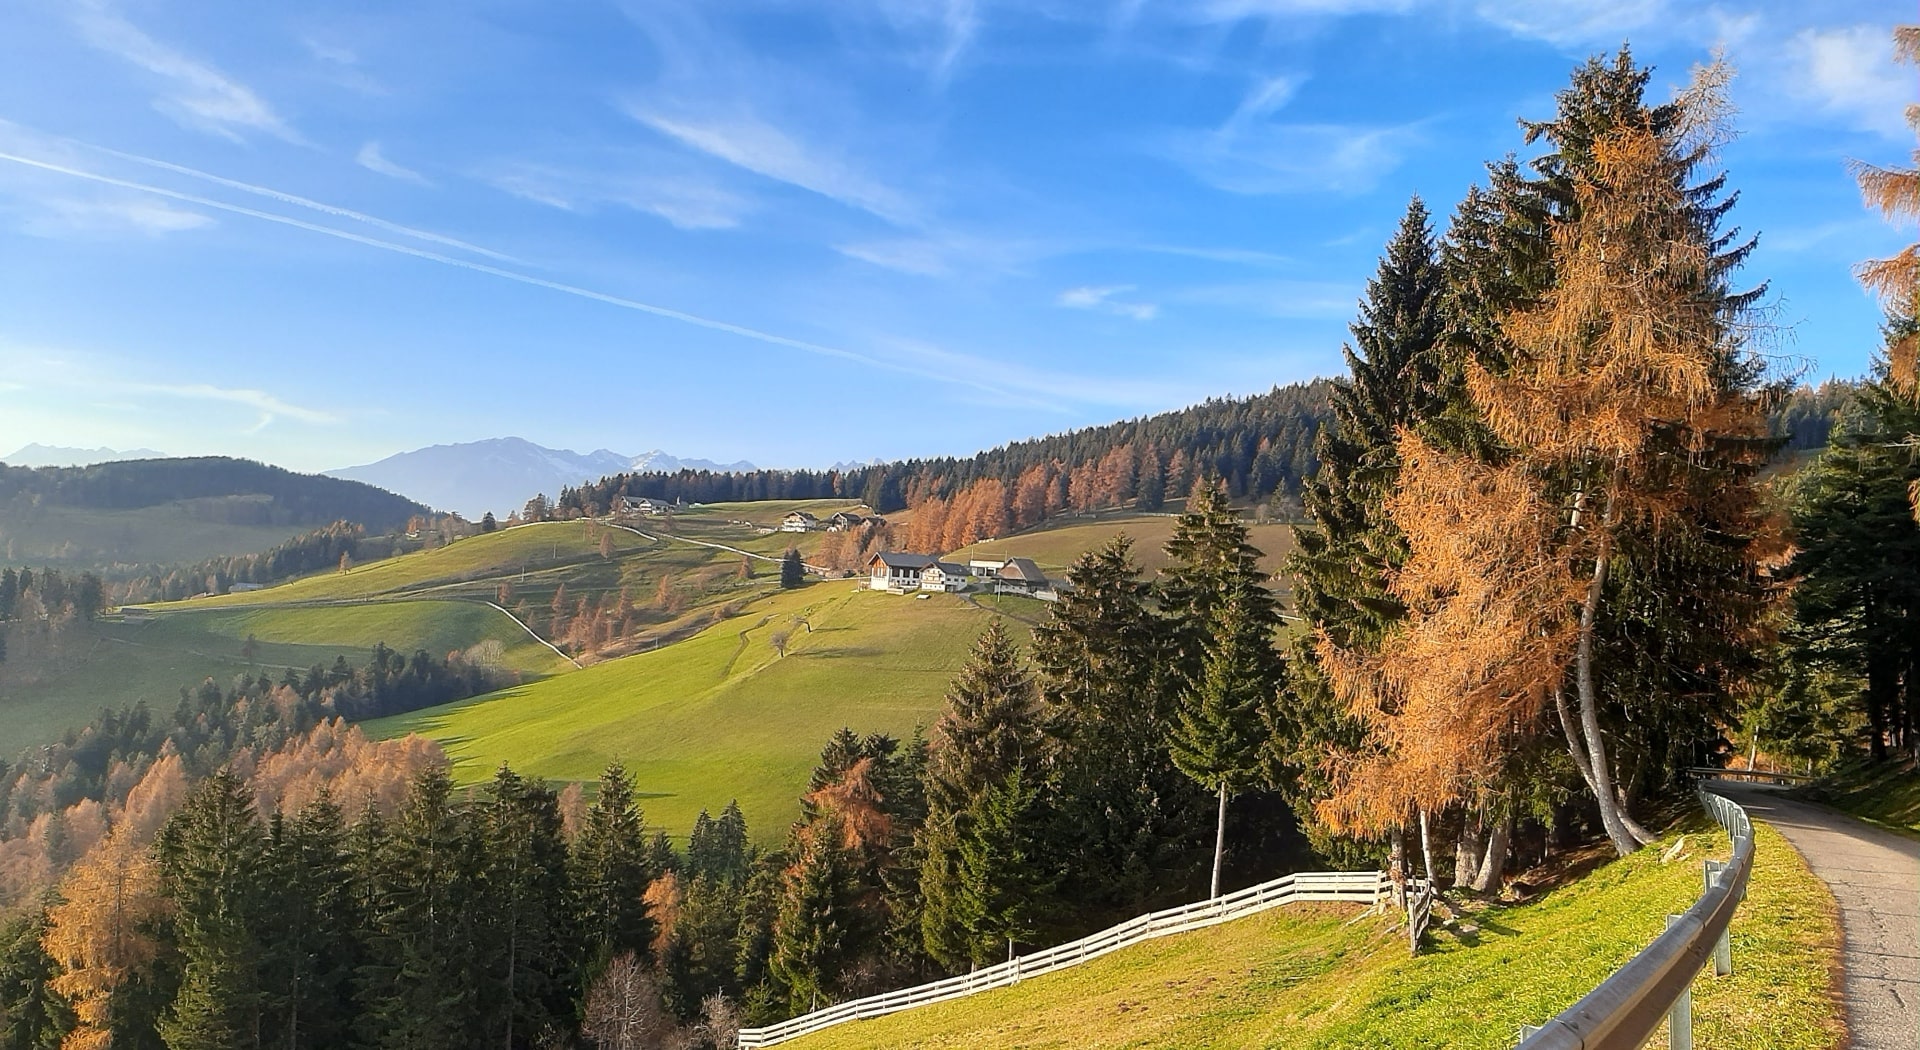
[[1217, 737], [991, 729], [812, 939], [214, 867], [528, 956], [1398, 379], [311, 951], [992, 724], [1002, 878], [1123, 816], [420, 990], [611, 870], [1210, 562], [32, 1015]]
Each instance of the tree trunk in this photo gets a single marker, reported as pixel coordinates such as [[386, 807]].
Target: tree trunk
[[1576, 747], [1397, 867], [1487, 879], [1426, 848], [1466, 853], [1220, 839], [1624, 839]]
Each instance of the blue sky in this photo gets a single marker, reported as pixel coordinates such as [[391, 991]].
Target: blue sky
[[793, 233]]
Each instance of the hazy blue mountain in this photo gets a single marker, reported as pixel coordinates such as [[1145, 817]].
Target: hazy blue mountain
[[60, 456], [501, 474]]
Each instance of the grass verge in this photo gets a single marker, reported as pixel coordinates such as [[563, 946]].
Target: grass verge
[[1300, 977]]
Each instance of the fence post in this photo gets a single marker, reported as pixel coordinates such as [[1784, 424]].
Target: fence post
[[1527, 1030], [1680, 1018]]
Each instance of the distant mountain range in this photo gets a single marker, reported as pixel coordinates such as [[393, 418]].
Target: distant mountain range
[[60, 456], [502, 474]]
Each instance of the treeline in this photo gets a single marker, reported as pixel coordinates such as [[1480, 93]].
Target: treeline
[[26, 595], [293, 498], [309, 552], [55, 801], [1258, 446]]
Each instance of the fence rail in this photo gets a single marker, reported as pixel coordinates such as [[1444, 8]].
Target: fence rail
[[1705, 772], [1655, 985], [1364, 887]]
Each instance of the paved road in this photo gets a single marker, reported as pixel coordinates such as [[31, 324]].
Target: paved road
[[1875, 876]]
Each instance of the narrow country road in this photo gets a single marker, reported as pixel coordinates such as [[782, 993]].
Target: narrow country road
[[1875, 877]]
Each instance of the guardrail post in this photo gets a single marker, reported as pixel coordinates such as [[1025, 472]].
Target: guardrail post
[[1723, 948], [1527, 1030], [1680, 1018]]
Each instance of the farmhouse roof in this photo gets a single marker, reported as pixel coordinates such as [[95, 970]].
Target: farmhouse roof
[[947, 568], [898, 560], [1022, 569]]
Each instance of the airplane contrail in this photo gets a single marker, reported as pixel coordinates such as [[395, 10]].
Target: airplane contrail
[[511, 275]]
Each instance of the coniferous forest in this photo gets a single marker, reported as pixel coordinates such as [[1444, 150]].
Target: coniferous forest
[[1549, 562]]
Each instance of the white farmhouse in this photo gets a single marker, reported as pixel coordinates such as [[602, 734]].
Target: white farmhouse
[[899, 573], [799, 521]]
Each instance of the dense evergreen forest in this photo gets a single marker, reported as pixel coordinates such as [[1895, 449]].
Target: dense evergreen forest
[[1258, 446]]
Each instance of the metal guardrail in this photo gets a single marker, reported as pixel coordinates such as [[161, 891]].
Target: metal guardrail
[[1703, 772], [1657, 984], [1364, 887]]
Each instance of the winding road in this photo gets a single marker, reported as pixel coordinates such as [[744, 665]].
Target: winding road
[[1875, 877]]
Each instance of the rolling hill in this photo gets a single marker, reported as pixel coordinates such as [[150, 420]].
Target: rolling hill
[[722, 715], [172, 511]]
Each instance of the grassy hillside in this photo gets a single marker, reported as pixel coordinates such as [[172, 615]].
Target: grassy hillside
[[1322, 978], [170, 511], [722, 715], [1055, 545], [1887, 794], [115, 662]]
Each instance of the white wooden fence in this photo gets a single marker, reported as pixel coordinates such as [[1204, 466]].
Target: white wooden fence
[[1363, 887]]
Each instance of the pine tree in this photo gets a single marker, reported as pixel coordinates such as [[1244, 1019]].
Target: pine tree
[[310, 950], [1210, 563], [611, 870], [214, 866], [792, 572], [1002, 879], [421, 990], [1219, 733], [1123, 817], [991, 726], [32, 1015], [811, 937], [526, 941]]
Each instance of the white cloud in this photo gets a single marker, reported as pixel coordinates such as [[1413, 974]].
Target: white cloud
[[1294, 158], [371, 158], [685, 201], [59, 217], [69, 378], [200, 96], [1567, 22], [761, 148], [1850, 72], [269, 406], [1089, 297]]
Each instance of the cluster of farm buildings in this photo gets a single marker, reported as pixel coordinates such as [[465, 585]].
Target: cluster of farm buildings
[[901, 573]]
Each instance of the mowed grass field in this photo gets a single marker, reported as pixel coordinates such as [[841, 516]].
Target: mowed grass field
[[115, 663], [722, 716], [1054, 545], [1320, 977]]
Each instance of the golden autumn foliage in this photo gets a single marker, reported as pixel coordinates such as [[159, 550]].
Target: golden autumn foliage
[[1618, 378], [99, 934], [1895, 194]]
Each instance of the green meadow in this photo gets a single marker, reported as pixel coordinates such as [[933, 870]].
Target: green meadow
[[722, 715]]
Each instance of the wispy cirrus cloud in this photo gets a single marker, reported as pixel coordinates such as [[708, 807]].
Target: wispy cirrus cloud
[[1103, 299], [197, 95], [1253, 151], [753, 144], [685, 201], [70, 378], [107, 215], [372, 158]]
